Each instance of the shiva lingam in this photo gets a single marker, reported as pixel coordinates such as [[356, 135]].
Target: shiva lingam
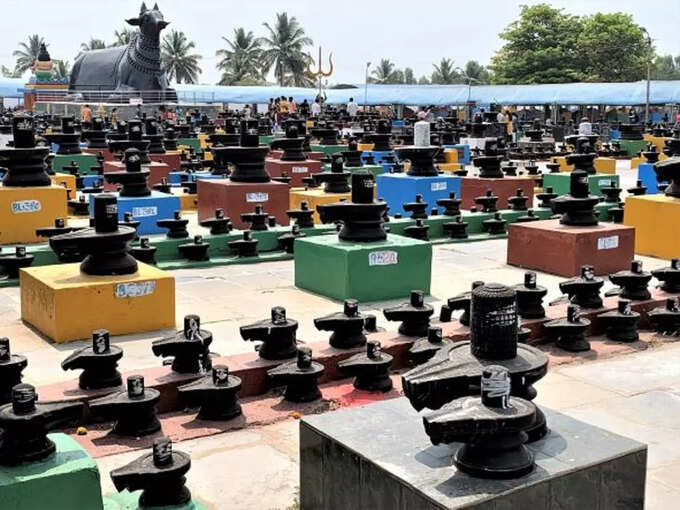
[[99, 362], [80, 206], [569, 333], [352, 156], [518, 202], [666, 319], [492, 429], [284, 178], [133, 410], [105, 244], [535, 134], [414, 315], [326, 134], [96, 135], [577, 208], [68, 253], [195, 251], [24, 163], [611, 192], [422, 159], [303, 216], [632, 284], [257, 219], [417, 208], [621, 324], [553, 167], [583, 156], [287, 240], [300, 377], [218, 224], [631, 131], [301, 126], [418, 231], [119, 133], [11, 264], [490, 163], [669, 170], [133, 178], [456, 229], [463, 302], [529, 216], [638, 189], [362, 217], [487, 202], [25, 423], [244, 247], [616, 213], [98, 167], [216, 394], [669, 277], [144, 252], [451, 205], [11, 366], [154, 134], [291, 145], [371, 369], [68, 140], [494, 225], [651, 154], [170, 139], [424, 348], [546, 197], [190, 347], [96, 187], [457, 369], [531, 167], [347, 326], [530, 297], [335, 180], [159, 475], [583, 290], [134, 141], [510, 169], [277, 335], [381, 137], [177, 226]]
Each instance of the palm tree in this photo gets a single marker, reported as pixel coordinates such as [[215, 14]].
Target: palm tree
[[241, 59], [284, 50], [93, 44], [9, 73], [409, 77], [445, 72], [62, 69], [123, 37], [27, 53], [475, 70], [177, 60], [384, 72]]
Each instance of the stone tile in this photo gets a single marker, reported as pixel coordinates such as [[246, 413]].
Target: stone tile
[[560, 392], [660, 497]]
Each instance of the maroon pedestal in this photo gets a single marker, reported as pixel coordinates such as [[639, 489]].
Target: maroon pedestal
[[275, 154], [315, 155], [169, 158], [157, 172], [108, 155], [296, 170], [472, 187], [238, 197], [559, 249]]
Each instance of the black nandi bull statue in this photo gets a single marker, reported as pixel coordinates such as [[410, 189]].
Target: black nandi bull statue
[[127, 69]]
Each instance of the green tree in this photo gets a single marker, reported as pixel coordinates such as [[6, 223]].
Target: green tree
[[540, 47], [177, 58], [423, 80], [409, 77], [386, 72], [445, 73], [62, 69], [475, 70], [284, 50], [666, 67], [27, 53], [241, 59], [93, 44], [123, 36], [9, 73]]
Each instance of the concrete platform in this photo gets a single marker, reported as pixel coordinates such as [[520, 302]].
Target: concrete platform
[[157, 171], [296, 170], [504, 188], [22, 210], [655, 218], [560, 182]]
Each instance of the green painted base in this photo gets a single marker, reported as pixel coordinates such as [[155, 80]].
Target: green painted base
[[328, 149], [68, 479], [266, 139], [130, 501], [374, 169], [365, 271], [560, 182], [85, 161], [632, 147], [192, 142]]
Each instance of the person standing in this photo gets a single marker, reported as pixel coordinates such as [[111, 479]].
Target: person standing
[[352, 108], [585, 128], [316, 108], [114, 117], [292, 106], [304, 109], [86, 116]]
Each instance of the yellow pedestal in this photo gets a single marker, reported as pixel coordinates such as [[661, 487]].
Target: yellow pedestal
[[203, 140], [365, 146], [449, 168], [22, 210], [451, 155], [65, 180], [654, 218], [605, 165], [656, 141], [66, 305], [315, 197], [562, 161], [187, 201]]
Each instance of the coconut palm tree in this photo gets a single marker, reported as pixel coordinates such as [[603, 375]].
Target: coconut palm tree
[[177, 60], [62, 69], [93, 44], [284, 50], [27, 53], [9, 73], [123, 37], [385, 72], [241, 58], [445, 72]]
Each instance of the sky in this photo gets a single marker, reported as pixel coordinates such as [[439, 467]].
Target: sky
[[412, 34]]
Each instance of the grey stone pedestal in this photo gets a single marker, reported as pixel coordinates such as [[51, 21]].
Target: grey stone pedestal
[[378, 457]]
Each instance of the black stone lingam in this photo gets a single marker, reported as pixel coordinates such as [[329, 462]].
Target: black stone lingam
[[325, 134], [68, 139], [669, 277], [418, 231], [25, 163], [300, 377], [11, 366], [362, 217], [531, 167], [528, 217], [134, 178], [546, 197], [247, 158], [487, 202], [154, 133], [164, 186], [134, 141], [381, 137], [585, 289], [414, 315], [494, 225], [195, 251], [669, 170], [633, 284], [352, 156], [583, 156], [424, 348], [489, 164], [159, 475], [510, 169], [371, 370], [611, 192], [105, 244], [463, 302], [218, 224], [133, 410], [456, 229], [492, 429], [25, 423], [451, 205], [518, 201], [277, 335], [553, 167], [422, 159], [11, 264], [244, 247], [638, 189], [336, 180], [170, 139], [96, 135], [257, 218], [144, 252], [177, 226], [418, 209], [569, 333], [190, 347], [80, 206], [99, 362], [287, 240], [530, 297], [347, 326], [577, 208], [651, 154], [666, 319], [216, 394], [59, 227], [621, 324], [291, 145], [303, 216]]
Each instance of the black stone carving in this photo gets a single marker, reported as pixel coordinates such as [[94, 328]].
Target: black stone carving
[[11, 366], [25, 163], [576, 207], [569, 332], [216, 393], [177, 226], [347, 326], [666, 319], [99, 362], [190, 347], [371, 369], [633, 283], [277, 335], [584, 290], [414, 315], [424, 348], [530, 297], [621, 324], [300, 377]]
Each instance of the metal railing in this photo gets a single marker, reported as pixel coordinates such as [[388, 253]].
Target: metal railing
[[102, 95]]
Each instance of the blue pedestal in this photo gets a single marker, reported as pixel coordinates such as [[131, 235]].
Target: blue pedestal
[[463, 152], [614, 134], [377, 156], [398, 189], [147, 210], [648, 177], [177, 177], [90, 180]]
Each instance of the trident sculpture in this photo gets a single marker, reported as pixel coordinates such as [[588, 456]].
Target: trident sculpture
[[320, 74]]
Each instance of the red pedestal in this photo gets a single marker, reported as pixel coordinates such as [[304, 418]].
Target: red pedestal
[[560, 249], [169, 158], [108, 155], [503, 188], [157, 172], [315, 155], [275, 154], [238, 197], [296, 170]]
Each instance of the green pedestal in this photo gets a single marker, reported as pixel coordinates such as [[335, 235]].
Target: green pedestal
[[130, 501], [85, 161], [191, 142], [374, 169], [560, 182], [632, 147], [365, 271], [328, 149], [67, 480], [266, 139]]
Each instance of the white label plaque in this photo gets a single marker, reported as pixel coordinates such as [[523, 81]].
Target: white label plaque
[[604, 182], [144, 212], [135, 289], [26, 206], [383, 258], [608, 243], [438, 186], [300, 170], [257, 197]]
